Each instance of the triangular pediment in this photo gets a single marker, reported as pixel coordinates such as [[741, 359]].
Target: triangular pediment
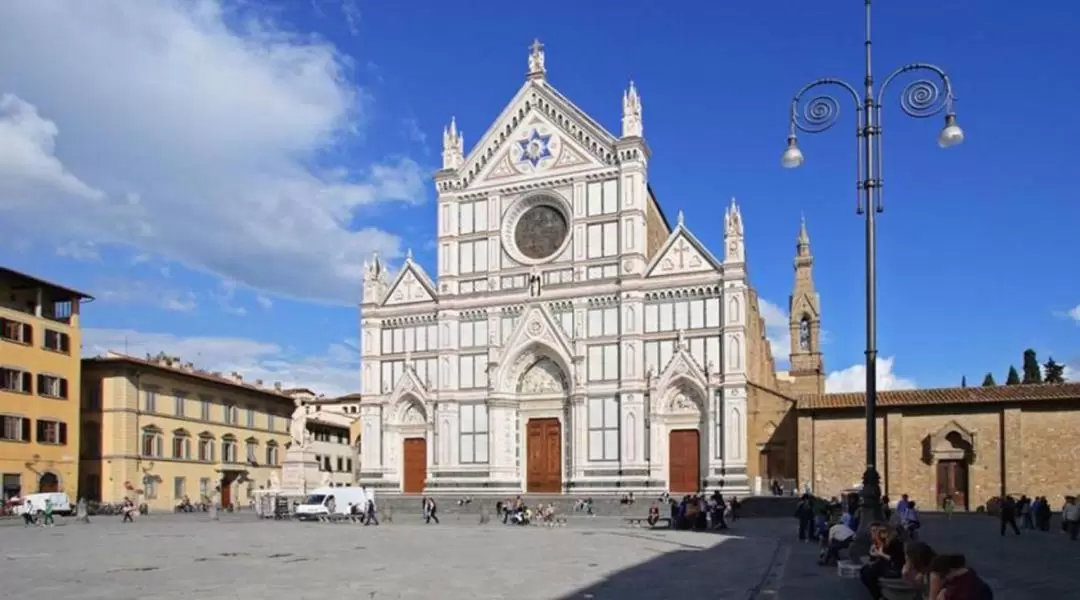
[[412, 285], [804, 303], [409, 384], [682, 367], [537, 146], [682, 254], [579, 140], [536, 325]]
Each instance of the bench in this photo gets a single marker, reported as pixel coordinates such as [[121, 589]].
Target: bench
[[644, 522]]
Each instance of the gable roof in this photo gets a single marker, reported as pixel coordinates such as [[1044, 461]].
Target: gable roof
[[470, 169], [1000, 394], [421, 276], [681, 231]]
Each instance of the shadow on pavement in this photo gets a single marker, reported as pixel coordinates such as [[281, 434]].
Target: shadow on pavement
[[690, 565]]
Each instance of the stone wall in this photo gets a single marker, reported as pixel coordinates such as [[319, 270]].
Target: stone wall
[[1027, 448]]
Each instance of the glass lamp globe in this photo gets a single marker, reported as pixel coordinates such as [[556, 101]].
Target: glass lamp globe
[[792, 157], [951, 134]]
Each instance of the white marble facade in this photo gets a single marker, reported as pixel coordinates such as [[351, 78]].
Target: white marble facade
[[550, 304]]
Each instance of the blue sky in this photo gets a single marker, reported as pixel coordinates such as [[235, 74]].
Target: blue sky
[[216, 172]]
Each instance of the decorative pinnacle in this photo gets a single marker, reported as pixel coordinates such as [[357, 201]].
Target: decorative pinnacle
[[536, 60], [680, 218], [408, 254], [804, 236]]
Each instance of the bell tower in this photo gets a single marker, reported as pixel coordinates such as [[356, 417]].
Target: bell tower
[[804, 308]]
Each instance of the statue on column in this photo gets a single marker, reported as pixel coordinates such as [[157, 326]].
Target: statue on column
[[298, 426]]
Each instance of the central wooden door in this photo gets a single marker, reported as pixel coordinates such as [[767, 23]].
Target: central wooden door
[[414, 465], [952, 481], [544, 452], [226, 492], [684, 462]]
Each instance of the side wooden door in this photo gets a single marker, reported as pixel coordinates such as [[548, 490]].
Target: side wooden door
[[414, 459], [684, 461], [544, 452]]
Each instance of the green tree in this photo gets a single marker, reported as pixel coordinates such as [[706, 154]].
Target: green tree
[[988, 381], [1013, 378], [1053, 372], [963, 381], [1032, 372]]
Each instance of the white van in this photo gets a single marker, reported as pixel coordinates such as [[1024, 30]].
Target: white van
[[332, 500], [36, 502]]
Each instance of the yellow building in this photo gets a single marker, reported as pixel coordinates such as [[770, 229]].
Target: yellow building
[[157, 430], [39, 385]]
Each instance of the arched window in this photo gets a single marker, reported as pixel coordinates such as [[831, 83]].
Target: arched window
[[271, 453], [206, 447], [153, 443], [228, 449], [181, 445]]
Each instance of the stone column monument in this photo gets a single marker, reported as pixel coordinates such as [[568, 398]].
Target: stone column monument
[[299, 465]]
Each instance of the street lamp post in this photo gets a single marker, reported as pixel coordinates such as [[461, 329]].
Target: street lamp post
[[920, 99]]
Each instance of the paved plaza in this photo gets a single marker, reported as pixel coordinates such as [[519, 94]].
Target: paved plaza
[[188, 556]]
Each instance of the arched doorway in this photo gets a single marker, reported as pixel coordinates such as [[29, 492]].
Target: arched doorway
[[952, 449], [543, 380], [683, 414], [48, 482]]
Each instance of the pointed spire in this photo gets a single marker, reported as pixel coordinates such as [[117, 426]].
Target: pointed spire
[[680, 217], [733, 220], [804, 237], [631, 119], [408, 255], [537, 70], [453, 146]]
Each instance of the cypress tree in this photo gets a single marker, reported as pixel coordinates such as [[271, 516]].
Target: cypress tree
[[1013, 378], [1054, 373], [988, 381], [1032, 373], [963, 381]]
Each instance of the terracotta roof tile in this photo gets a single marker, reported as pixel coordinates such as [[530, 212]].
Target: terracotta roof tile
[[946, 396], [206, 376]]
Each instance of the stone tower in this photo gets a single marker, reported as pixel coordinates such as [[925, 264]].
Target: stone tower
[[804, 308]]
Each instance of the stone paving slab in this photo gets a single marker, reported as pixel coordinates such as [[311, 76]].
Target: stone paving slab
[[188, 556], [1031, 566]]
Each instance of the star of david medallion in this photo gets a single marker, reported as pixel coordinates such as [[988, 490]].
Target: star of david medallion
[[534, 150]]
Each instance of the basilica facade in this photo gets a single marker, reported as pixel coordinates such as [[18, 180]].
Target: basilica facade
[[574, 339]]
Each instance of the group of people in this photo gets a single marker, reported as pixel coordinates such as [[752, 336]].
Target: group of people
[[31, 517], [696, 512], [517, 512], [919, 566], [367, 511]]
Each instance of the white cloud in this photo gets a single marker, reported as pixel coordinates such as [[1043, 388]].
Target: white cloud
[[853, 378], [126, 291], [188, 130], [776, 330], [1074, 314], [264, 302], [335, 372]]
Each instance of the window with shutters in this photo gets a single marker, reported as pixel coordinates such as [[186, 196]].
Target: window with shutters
[[181, 445], [271, 453], [251, 450], [51, 432], [228, 449], [150, 401], [57, 341], [206, 447], [15, 380], [153, 442], [51, 386], [15, 429], [16, 331]]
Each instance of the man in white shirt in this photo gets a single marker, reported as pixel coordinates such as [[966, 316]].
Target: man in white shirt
[[840, 537], [1071, 515]]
